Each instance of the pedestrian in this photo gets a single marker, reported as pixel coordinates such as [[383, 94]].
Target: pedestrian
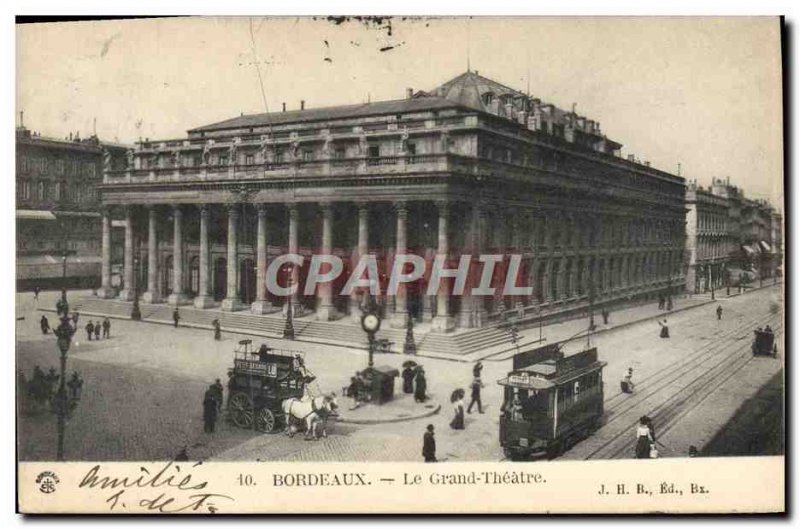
[[218, 393], [475, 396], [408, 379], [355, 389], [217, 329], [719, 312], [45, 325], [476, 370], [664, 329], [457, 399], [693, 451], [75, 317], [97, 331], [182, 455], [627, 384], [420, 385], [176, 316], [669, 302], [209, 410], [106, 328], [36, 293], [644, 439], [429, 445], [660, 302], [605, 316], [89, 330]]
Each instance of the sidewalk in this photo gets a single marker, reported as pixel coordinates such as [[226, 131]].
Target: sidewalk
[[575, 329]]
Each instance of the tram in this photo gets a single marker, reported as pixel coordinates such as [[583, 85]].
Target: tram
[[550, 402]]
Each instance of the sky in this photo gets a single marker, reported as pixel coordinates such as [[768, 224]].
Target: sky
[[704, 93]]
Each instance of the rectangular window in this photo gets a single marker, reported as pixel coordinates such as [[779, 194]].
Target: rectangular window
[[60, 166], [279, 156], [223, 160], [249, 159], [308, 155], [411, 149], [339, 153], [374, 151], [91, 170]]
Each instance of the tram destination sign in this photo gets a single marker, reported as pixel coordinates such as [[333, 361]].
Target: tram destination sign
[[253, 367]]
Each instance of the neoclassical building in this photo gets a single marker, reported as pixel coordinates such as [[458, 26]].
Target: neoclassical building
[[708, 239], [471, 167]]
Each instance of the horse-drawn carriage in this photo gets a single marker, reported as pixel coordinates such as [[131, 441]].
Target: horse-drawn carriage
[[267, 386], [764, 343]]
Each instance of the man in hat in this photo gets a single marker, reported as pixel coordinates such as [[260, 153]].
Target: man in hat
[[420, 385], [89, 330], [408, 378], [627, 384], [475, 397], [97, 330], [218, 392], [719, 312], [45, 325], [476, 370], [429, 445], [176, 316], [209, 410], [217, 329]]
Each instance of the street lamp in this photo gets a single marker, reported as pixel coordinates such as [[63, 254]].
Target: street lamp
[[288, 329], [136, 313], [63, 334]]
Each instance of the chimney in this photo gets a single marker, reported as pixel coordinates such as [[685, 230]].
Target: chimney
[[631, 158], [284, 107], [302, 104], [646, 163], [409, 93]]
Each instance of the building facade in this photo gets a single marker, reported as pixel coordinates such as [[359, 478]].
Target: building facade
[[708, 241], [472, 167], [58, 209], [753, 235]]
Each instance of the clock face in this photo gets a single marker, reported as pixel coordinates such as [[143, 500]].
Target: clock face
[[371, 323]]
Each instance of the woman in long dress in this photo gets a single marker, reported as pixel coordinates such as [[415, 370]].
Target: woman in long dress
[[408, 380], [664, 329], [420, 386], [457, 398], [644, 438]]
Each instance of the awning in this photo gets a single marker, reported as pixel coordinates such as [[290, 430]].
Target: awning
[[35, 214], [766, 247], [749, 250]]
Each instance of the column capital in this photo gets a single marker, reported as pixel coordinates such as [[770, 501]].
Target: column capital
[[177, 210], [261, 209], [326, 206], [233, 209], [204, 209], [400, 206], [292, 208], [443, 206]]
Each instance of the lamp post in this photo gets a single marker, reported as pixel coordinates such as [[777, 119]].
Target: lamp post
[[63, 334], [136, 313], [371, 323], [288, 329]]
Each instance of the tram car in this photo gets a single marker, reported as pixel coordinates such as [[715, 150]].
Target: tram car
[[260, 381], [764, 343], [550, 402]]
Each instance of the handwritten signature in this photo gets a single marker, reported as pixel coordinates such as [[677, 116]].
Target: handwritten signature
[[173, 491]]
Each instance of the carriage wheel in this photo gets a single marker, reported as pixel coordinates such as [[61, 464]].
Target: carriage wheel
[[240, 410], [265, 420]]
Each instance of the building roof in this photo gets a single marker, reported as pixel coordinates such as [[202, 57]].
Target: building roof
[[398, 106], [467, 89]]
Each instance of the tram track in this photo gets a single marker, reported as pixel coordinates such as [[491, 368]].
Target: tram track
[[686, 396], [676, 368]]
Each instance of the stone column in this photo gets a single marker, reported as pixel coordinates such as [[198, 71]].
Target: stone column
[[362, 250], [261, 305], [232, 301], [127, 293], [152, 294], [443, 321], [105, 291], [400, 318], [325, 310], [204, 299], [178, 297], [293, 248]]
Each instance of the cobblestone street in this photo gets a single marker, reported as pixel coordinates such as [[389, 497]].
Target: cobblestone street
[[143, 390]]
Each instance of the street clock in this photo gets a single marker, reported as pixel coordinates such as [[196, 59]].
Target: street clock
[[370, 322]]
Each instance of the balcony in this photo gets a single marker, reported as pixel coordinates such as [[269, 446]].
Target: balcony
[[341, 167]]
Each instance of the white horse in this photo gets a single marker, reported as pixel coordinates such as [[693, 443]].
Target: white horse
[[311, 411]]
